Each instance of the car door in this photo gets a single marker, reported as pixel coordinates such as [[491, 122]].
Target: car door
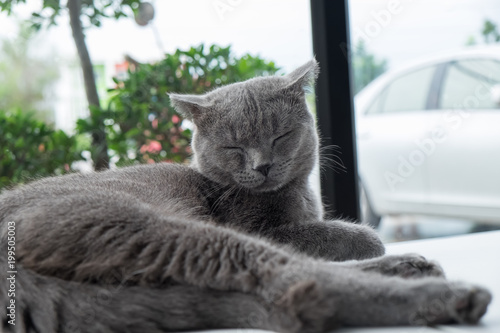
[[391, 164], [464, 170]]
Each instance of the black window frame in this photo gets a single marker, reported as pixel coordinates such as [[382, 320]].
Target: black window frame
[[334, 106]]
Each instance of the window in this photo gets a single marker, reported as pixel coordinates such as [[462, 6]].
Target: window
[[409, 92], [468, 84], [377, 103]]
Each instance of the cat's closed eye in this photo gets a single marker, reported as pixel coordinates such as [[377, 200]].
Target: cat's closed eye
[[233, 149], [281, 137]]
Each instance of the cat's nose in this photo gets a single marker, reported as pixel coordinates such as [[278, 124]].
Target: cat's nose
[[264, 168]]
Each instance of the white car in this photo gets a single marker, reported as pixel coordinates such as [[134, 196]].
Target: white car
[[428, 138]]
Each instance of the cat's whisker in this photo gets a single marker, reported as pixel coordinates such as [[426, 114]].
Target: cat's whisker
[[222, 198], [330, 160], [214, 188], [327, 166], [335, 160], [331, 147], [235, 197]]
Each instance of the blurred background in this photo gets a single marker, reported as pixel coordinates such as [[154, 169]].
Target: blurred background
[[83, 87]]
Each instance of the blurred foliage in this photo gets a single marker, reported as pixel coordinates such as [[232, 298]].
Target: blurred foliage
[[83, 14], [29, 148], [141, 125], [490, 32], [25, 78], [93, 12], [366, 66]]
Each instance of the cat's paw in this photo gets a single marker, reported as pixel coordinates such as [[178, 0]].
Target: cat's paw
[[457, 303], [408, 266], [472, 305], [306, 308]]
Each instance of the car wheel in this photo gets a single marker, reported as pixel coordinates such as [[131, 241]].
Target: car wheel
[[367, 214]]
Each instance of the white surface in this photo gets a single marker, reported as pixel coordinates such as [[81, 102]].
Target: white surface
[[472, 258]]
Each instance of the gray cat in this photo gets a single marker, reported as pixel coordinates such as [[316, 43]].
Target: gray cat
[[235, 240]]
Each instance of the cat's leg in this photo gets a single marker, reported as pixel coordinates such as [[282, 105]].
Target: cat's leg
[[409, 265], [49, 305], [331, 240], [333, 296], [371, 299], [357, 245]]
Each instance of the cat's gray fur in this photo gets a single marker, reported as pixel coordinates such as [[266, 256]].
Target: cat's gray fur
[[235, 240]]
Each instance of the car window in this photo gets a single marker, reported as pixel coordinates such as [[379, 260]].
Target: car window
[[468, 84], [409, 92], [377, 103]]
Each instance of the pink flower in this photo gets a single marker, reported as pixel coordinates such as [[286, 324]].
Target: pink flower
[[151, 147], [154, 147], [175, 119]]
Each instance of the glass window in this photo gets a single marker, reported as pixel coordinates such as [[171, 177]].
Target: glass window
[[377, 103], [468, 84], [409, 92]]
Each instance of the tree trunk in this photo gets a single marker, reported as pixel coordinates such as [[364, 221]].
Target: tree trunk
[[101, 158]]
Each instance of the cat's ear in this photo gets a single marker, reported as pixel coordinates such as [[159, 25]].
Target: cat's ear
[[190, 106], [303, 78]]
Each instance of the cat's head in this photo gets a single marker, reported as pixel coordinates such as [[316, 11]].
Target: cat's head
[[257, 134]]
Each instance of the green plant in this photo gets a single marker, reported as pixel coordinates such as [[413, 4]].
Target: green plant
[[366, 67], [29, 148], [82, 14], [141, 125], [490, 32]]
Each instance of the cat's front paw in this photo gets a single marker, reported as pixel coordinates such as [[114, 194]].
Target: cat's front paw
[[409, 266]]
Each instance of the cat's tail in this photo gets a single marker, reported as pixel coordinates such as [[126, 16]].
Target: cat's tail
[[30, 302]]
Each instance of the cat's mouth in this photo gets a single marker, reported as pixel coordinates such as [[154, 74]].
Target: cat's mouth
[[267, 185]]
